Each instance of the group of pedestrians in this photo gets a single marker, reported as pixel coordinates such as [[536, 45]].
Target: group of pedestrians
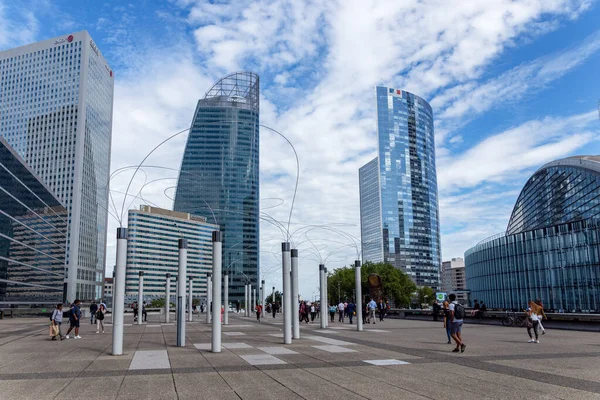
[[97, 313], [348, 309]]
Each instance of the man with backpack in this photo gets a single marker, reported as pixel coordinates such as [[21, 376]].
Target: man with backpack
[[74, 319], [457, 314]]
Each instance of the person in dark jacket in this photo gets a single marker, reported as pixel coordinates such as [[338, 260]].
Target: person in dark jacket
[[436, 310], [93, 310], [382, 309]]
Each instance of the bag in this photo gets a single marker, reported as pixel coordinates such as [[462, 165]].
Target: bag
[[459, 311], [53, 330]]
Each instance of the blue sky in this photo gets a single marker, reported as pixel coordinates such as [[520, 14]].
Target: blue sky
[[513, 85]]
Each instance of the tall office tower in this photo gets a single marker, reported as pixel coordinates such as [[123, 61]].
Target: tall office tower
[[33, 232], [154, 235], [56, 99], [402, 183], [219, 172]]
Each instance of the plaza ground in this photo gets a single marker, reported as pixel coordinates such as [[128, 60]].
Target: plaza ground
[[394, 359]]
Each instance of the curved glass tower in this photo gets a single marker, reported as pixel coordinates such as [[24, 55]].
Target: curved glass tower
[[219, 172], [406, 218], [551, 247]]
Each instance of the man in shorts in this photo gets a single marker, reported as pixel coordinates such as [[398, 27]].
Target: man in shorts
[[74, 319], [457, 313]]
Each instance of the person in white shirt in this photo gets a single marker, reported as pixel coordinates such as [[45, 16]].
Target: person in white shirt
[[341, 312], [456, 312], [372, 308], [533, 314]]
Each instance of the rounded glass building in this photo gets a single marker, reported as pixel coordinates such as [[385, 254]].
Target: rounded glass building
[[219, 176], [551, 247]]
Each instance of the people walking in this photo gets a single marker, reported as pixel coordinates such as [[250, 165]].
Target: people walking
[[274, 307], [381, 309], [447, 320], [372, 308], [313, 312], [93, 310], [57, 316], [74, 319], [144, 312], [533, 322], [135, 311], [100, 318], [351, 311], [341, 311], [365, 312], [436, 310], [457, 314], [258, 312], [542, 315], [332, 311]]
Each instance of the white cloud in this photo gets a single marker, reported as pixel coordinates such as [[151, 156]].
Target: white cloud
[[18, 26]]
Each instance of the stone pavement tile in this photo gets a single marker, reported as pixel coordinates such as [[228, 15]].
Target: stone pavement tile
[[205, 386], [497, 382], [580, 368], [328, 340], [224, 359], [363, 385], [41, 390], [236, 345], [92, 388], [276, 350], [334, 349], [150, 359], [389, 361], [45, 364], [137, 387], [256, 385], [116, 364], [262, 359], [311, 386], [188, 361]]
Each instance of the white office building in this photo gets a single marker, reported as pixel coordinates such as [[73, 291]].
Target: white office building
[[154, 235], [56, 104]]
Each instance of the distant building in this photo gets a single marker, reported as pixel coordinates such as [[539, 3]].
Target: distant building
[[33, 236], [551, 247], [108, 287], [453, 275], [153, 248], [219, 176], [56, 103], [398, 189]]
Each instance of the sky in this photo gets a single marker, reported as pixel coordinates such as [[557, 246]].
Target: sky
[[513, 85]]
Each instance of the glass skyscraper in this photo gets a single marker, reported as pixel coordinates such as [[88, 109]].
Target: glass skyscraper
[[406, 189], [219, 176], [551, 247], [56, 99], [33, 236]]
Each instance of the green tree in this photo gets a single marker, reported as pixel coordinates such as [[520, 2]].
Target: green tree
[[426, 295], [397, 285], [269, 298]]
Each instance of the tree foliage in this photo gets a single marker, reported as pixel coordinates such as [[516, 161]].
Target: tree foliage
[[269, 298], [426, 295], [397, 285]]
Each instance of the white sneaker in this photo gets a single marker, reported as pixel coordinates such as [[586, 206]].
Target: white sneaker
[[67, 337], [77, 337], [537, 341], [97, 331], [530, 341]]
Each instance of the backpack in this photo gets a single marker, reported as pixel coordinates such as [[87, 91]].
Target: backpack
[[459, 311]]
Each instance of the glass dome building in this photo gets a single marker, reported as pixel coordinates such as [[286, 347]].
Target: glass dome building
[[219, 172], [551, 247]]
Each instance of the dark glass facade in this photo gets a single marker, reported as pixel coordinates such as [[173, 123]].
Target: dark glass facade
[[551, 248], [408, 185], [219, 172], [33, 234]]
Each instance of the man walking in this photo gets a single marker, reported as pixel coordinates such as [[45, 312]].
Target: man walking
[[93, 310], [381, 309], [341, 309], [351, 309], [258, 311], [372, 307], [74, 319], [457, 314]]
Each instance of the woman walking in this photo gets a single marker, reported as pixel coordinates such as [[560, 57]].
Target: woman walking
[[56, 319], [533, 321], [100, 318], [447, 323], [332, 310]]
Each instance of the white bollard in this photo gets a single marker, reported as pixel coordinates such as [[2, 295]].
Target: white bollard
[[253, 300], [217, 238], [168, 299], [245, 299], [119, 292], [191, 299], [226, 300], [294, 297], [140, 304], [325, 311], [358, 300], [181, 274], [262, 299], [322, 291], [287, 306]]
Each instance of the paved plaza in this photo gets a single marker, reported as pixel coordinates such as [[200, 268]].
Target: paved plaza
[[394, 359]]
